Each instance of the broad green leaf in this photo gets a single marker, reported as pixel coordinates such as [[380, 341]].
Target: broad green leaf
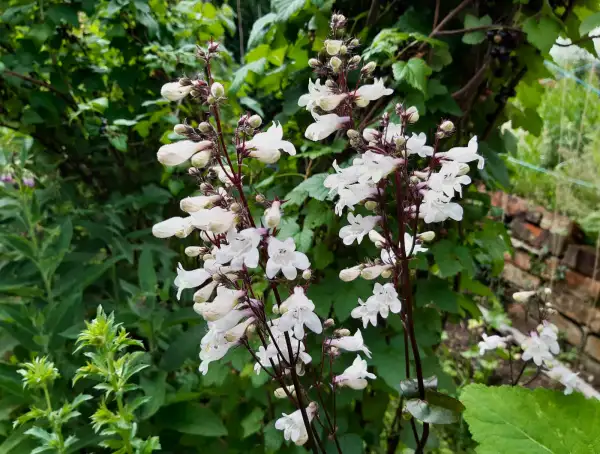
[[515, 420], [322, 256], [414, 72], [304, 239], [257, 67], [410, 388], [192, 418], [433, 414], [155, 388], [542, 32], [252, 104], [436, 291], [446, 258], [589, 23], [286, 8], [349, 444], [146, 272], [259, 29], [472, 22], [311, 187], [253, 422], [185, 346], [18, 442]]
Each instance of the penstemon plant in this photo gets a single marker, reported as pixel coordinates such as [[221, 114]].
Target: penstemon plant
[[239, 252]]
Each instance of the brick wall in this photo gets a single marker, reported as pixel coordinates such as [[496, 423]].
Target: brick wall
[[548, 251]]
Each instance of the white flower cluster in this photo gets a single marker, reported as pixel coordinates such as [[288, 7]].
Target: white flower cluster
[[236, 249]]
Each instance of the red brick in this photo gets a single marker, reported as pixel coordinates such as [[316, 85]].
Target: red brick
[[520, 279], [515, 205], [576, 308], [571, 332], [583, 285], [592, 347], [528, 232], [582, 258]]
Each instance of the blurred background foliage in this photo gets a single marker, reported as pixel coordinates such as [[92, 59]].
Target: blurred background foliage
[[81, 120]]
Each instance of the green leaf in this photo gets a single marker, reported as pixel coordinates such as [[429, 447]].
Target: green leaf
[[311, 187], [343, 296], [257, 67], [541, 33], [119, 141], [155, 388], [252, 104], [436, 291], [259, 29], [322, 256], [304, 240], [432, 414], [517, 420], [349, 444], [446, 258], [253, 422], [589, 24], [286, 8], [410, 388], [18, 442], [185, 346], [273, 438], [414, 73], [193, 419], [472, 22], [146, 272]]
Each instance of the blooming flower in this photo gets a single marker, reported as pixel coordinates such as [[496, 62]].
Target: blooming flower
[[367, 311], [464, 154], [437, 207], [549, 335], [215, 220], [342, 178], [372, 92], [535, 348], [357, 229], [353, 194], [316, 91], [273, 215], [177, 153], [388, 256], [374, 166], [242, 248], [174, 91], [283, 256], [330, 102], [355, 376], [491, 343], [189, 279], [351, 343], [265, 146], [177, 226], [213, 347], [333, 46], [222, 305], [324, 126], [298, 313], [569, 381], [448, 179], [293, 425], [416, 145]]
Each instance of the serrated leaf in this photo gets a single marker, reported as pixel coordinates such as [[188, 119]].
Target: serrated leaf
[[304, 240], [252, 104], [518, 420], [414, 72], [472, 22], [311, 187], [253, 422], [259, 29], [286, 8], [257, 67], [541, 33]]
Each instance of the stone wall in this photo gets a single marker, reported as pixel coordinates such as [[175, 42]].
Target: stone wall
[[548, 252]]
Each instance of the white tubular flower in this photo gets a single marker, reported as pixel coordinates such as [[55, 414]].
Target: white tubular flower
[[535, 348], [523, 297], [392, 132], [222, 305], [358, 227], [490, 343], [464, 154], [342, 178], [355, 376], [372, 92], [549, 335], [448, 180], [352, 195], [205, 292], [371, 135], [189, 279], [373, 272], [217, 90], [265, 146], [196, 203], [293, 425], [408, 245], [298, 298], [213, 347], [177, 153], [377, 239], [174, 91], [349, 274], [241, 250], [351, 343], [230, 320], [324, 126], [283, 256], [316, 91], [367, 311], [437, 207], [386, 295], [177, 226], [280, 393], [374, 166], [333, 46], [416, 145], [330, 102], [221, 175], [273, 215], [236, 333], [426, 236], [193, 251], [299, 313], [216, 220], [201, 160]]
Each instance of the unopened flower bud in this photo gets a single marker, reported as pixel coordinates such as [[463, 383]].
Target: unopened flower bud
[[280, 393], [399, 142], [373, 272], [342, 332], [273, 215], [193, 251], [180, 129], [523, 297], [314, 63], [204, 127], [276, 310], [255, 121], [334, 351], [386, 274], [260, 198], [328, 323], [414, 179], [332, 46], [447, 126], [463, 168], [335, 63], [343, 50], [353, 133], [355, 42], [412, 114], [205, 187], [355, 60], [370, 205], [235, 207], [217, 90], [306, 275], [376, 237], [426, 236], [369, 68], [201, 159], [547, 291], [349, 274], [206, 257], [211, 99]]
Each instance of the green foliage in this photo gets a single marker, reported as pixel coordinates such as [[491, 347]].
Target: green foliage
[[518, 420]]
